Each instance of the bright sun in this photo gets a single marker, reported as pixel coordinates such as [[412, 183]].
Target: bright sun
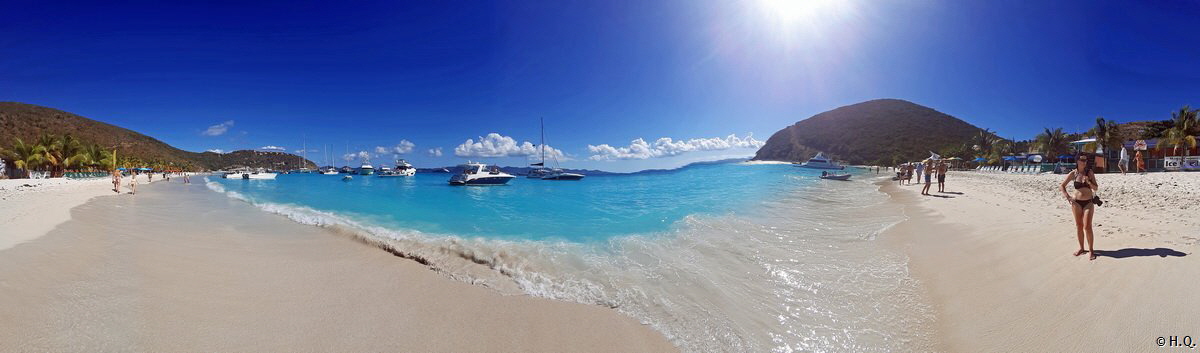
[[806, 15]]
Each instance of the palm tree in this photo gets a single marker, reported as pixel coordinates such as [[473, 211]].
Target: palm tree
[[1180, 134], [1107, 133], [984, 140], [24, 156], [1052, 142]]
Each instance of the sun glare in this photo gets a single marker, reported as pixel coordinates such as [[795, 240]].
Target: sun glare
[[811, 16]]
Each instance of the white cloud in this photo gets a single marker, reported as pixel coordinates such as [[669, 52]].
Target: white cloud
[[216, 150], [400, 148], [272, 148], [218, 129], [356, 155], [665, 147], [435, 152], [309, 151], [496, 145]]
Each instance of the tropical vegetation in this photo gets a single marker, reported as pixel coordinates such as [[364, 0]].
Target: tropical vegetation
[[1181, 133]]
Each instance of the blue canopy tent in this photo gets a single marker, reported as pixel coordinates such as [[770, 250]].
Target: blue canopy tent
[[980, 159]]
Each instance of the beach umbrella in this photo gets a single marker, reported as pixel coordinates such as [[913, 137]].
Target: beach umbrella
[[980, 159]]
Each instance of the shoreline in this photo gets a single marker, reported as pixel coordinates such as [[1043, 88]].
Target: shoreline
[[218, 274], [30, 208], [994, 258]]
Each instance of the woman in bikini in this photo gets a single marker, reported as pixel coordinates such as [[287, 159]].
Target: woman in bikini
[[1082, 205], [116, 179]]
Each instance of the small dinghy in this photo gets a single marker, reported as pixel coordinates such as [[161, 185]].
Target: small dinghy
[[347, 178], [835, 176]]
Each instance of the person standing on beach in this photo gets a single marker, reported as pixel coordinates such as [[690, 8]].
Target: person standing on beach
[[133, 184], [1084, 201], [116, 180], [920, 170], [941, 176], [1141, 163], [928, 168], [1124, 161]]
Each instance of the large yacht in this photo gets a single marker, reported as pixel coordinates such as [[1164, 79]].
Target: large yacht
[[820, 162], [403, 168], [479, 174], [247, 173], [366, 168]]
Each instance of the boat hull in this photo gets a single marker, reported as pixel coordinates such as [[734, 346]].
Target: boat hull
[[564, 176], [828, 167], [488, 180], [836, 177]]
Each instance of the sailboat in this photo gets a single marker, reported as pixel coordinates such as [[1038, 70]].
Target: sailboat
[[550, 174]]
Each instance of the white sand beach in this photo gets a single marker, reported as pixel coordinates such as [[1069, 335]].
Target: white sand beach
[[31, 207], [180, 268], [995, 255]]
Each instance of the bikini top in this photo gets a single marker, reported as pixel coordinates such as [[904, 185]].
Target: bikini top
[[1082, 184]]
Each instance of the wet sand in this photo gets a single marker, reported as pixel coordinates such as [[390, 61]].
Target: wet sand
[[995, 256], [180, 268]]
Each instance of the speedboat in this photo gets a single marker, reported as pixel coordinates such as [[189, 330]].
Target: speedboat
[[559, 174], [478, 174], [832, 176], [820, 162], [329, 171]]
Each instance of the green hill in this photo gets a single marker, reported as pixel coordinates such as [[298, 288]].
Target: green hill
[[879, 131], [28, 122]]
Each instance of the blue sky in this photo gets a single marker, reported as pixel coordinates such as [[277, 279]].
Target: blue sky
[[602, 73]]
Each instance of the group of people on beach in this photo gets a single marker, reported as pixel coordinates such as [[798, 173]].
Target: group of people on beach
[[929, 169], [117, 176], [1139, 162]]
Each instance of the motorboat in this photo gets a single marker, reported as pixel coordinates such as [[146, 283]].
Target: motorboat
[[365, 168], [329, 171], [480, 174], [559, 174], [537, 173], [833, 176], [259, 174], [346, 170], [403, 168], [820, 162], [347, 177]]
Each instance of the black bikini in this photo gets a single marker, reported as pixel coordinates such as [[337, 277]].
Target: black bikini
[[1081, 185]]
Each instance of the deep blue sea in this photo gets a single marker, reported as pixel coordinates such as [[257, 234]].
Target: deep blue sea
[[719, 257]]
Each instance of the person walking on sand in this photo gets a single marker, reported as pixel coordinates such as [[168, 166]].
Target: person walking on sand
[[133, 184], [928, 167], [1123, 163], [1083, 204], [941, 176], [920, 170], [1141, 163], [116, 180]]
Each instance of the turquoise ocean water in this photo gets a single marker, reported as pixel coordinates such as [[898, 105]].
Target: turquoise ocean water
[[722, 257]]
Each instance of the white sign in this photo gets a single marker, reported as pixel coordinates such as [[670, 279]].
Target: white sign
[[1172, 163]]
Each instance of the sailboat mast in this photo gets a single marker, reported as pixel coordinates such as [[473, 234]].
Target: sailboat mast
[[542, 123]]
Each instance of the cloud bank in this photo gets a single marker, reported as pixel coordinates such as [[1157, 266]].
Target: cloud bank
[[356, 155], [272, 148], [400, 148], [218, 129], [666, 147], [435, 152], [495, 145]]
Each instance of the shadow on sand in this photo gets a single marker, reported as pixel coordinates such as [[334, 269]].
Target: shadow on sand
[[950, 192], [941, 196], [1135, 252]]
